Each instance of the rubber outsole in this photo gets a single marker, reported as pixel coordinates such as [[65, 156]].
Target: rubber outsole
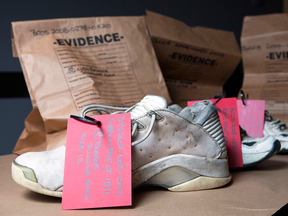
[[284, 147], [199, 177], [283, 151], [183, 173], [201, 183]]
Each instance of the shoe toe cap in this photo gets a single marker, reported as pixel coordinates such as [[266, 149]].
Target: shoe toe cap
[[28, 172], [47, 167]]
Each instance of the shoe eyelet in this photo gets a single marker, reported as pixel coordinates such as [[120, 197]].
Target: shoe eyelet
[[140, 126], [158, 116]]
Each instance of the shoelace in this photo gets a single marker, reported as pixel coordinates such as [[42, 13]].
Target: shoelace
[[102, 108], [278, 124]]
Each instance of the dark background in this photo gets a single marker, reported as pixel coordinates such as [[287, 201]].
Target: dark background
[[15, 104]]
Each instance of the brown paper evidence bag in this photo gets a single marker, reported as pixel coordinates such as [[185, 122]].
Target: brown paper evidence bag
[[264, 42], [72, 63], [195, 62]]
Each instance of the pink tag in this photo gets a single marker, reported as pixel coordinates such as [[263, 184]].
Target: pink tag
[[227, 110], [251, 116], [97, 170]]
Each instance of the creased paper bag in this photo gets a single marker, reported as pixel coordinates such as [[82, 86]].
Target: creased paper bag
[[264, 43], [195, 62], [72, 63]]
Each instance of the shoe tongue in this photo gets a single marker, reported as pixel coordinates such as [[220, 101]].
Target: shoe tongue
[[151, 102]]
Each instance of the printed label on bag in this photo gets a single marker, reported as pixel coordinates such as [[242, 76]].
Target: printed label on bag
[[228, 114], [79, 72], [251, 116], [97, 170]]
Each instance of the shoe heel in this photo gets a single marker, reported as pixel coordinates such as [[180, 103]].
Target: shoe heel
[[200, 183], [181, 179]]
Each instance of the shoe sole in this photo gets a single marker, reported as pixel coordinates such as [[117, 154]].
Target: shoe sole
[[194, 173], [183, 173], [19, 177], [201, 183], [283, 151], [284, 147], [265, 156]]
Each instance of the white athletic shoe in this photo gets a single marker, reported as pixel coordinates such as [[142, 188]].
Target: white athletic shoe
[[256, 150], [277, 129], [180, 151]]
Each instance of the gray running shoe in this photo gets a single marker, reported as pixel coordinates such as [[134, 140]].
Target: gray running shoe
[[256, 150], [183, 151], [277, 129]]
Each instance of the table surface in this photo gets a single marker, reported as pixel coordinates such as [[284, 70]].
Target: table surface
[[258, 190]]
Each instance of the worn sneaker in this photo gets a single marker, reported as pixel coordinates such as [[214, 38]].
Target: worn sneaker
[[277, 129], [181, 152], [256, 150]]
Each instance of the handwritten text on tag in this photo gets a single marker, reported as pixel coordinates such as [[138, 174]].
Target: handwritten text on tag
[[97, 170]]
